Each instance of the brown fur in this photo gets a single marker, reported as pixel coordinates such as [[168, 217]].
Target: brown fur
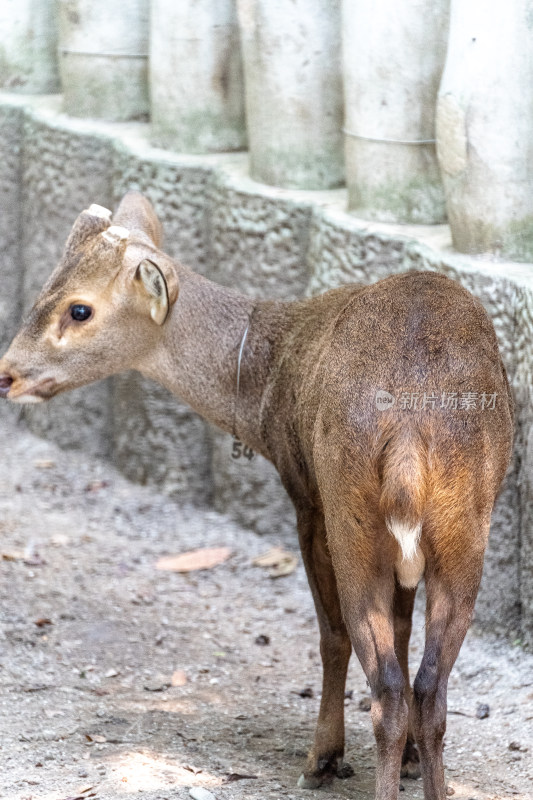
[[310, 373]]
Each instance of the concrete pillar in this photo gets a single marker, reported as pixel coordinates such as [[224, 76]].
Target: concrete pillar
[[484, 124], [393, 55], [196, 84], [103, 57], [291, 53], [28, 46]]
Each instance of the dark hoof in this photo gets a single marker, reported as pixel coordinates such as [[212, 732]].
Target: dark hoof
[[410, 761], [327, 770], [344, 771], [312, 780]]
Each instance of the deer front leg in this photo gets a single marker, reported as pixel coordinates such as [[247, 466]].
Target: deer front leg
[[325, 758]]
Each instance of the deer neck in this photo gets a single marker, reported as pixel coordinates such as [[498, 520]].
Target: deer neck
[[197, 356]]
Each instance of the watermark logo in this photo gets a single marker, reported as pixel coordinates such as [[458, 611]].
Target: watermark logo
[[431, 401], [384, 400]]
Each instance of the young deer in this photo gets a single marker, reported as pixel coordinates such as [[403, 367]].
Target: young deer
[[385, 492]]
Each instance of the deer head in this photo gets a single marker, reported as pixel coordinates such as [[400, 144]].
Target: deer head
[[101, 310]]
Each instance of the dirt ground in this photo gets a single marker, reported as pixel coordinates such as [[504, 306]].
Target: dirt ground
[[92, 632]]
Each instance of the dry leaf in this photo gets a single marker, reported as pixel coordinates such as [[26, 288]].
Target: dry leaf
[[278, 561], [179, 678], [205, 558], [271, 558], [237, 776], [81, 796], [284, 567], [44, 463], [60, 540], [14, 555], [43, 621], [95, 486]]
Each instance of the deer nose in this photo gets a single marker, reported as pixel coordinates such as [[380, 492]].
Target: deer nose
[[5, 384]]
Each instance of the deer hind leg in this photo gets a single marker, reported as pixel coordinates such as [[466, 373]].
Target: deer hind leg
[[325, 759], [364, 567], [403, 604], [451, 585]]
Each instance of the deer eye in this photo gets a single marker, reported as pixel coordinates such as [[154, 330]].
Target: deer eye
[[80, 312]]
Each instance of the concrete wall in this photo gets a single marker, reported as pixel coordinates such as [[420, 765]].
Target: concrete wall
[[265, 241]]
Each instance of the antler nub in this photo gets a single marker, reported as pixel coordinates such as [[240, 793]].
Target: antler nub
[[116, 234], [99, 211]]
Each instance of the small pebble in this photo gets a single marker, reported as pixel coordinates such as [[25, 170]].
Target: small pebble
[[483, 711], [365, 704], [262, 640], [156, 685], [199, 793]]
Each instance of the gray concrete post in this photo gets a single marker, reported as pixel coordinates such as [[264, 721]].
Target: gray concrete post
[[28, 42], [196, 84], [393, 55], [103, 58], [293, 86], [484, 124]]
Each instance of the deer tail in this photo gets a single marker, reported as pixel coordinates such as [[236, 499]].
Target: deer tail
[[403, 497]]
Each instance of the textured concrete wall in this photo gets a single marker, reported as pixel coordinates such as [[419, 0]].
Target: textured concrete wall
[[11, 122], [62, 165], [11, 125], [270, 243], [157, 439]]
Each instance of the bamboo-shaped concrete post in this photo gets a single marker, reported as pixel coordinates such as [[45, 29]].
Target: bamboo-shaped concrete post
[[484, 127], [103, 56], [393, 57], [196, 85], [28, 46], [293, 85]]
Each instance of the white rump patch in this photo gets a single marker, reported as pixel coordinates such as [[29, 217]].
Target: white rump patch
[[411, 561]]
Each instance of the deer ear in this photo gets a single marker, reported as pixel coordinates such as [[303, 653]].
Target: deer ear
[[161, 286], [137, 213]]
